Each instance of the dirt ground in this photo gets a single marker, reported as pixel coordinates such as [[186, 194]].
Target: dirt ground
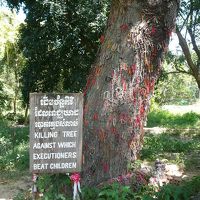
[[10, 188]]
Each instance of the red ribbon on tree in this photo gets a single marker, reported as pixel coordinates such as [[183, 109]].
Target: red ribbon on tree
[[102, 39], [153, 30], [124, 27], [75, 178]]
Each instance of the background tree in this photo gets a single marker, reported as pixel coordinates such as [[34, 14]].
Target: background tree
[[188, 32], [174, 87], [59, 40], [11, 61]]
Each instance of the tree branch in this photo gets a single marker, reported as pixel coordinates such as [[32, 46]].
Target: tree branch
[[194, 44], [186, 51], [184, 20], [180, 69]]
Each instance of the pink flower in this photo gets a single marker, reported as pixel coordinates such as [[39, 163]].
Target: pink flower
[[75, 177]]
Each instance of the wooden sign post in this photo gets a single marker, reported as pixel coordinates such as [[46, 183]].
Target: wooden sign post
[[55, 132]]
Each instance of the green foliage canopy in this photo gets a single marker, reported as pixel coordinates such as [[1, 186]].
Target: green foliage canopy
[[59, 40], [11, 60]]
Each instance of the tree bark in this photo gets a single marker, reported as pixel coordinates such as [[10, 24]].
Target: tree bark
[[121, 83], [26, 114]]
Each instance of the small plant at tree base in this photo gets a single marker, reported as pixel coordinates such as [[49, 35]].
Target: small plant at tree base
[[115, 192], [56, 187]]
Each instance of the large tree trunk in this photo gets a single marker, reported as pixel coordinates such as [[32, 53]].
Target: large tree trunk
[[121, 84]]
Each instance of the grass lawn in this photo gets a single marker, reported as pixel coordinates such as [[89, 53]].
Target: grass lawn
[[177, 137]]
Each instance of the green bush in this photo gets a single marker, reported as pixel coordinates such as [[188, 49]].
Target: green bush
[[15, 158], [179, 192], [114, 191], [156, 145], [166, 119], [13, 147], [168, 192], [56, 187]]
